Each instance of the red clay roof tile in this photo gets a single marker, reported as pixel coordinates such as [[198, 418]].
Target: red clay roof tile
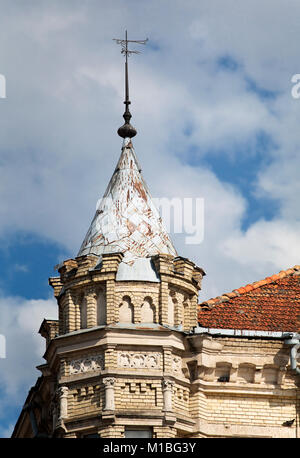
[[272, 304]]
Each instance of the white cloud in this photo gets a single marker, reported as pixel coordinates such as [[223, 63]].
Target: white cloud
[[64, 104], [67, 104], [20, 320], [20, 268]]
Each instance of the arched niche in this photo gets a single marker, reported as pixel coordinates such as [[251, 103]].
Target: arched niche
[[83, 312], [222, 372], [270, 374], [126, 310], [172, 302], [147, 311], [101, 307], [246, 373]]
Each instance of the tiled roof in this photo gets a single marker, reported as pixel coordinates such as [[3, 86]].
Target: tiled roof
[[272, 304]]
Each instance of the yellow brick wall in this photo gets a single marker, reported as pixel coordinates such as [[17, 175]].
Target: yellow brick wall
[[250, 410], [198, 405], [162, 432], [181, 400], [84, 400], [112, 432], [138, 394]]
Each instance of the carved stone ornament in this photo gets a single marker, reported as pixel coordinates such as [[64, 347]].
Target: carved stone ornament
[[176, 364], [168, 385], [79, 366], [109, 382], [139, 360]]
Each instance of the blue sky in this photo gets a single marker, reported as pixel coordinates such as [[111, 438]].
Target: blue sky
[[211, 100], [27, 260]]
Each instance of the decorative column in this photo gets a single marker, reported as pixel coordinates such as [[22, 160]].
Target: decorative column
[[91, 307], [109, 383], [167, 386], [63, 400], [59, 407]]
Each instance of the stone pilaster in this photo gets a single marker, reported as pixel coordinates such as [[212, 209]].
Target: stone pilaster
[[163, 303], [110, 357], [60, 318], [193, 311], [111, 307], [167, 355], [63, 366], [137, 313], [77, 311], [69, 312]]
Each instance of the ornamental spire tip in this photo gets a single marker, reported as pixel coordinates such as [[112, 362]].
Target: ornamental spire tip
[[127, 130]]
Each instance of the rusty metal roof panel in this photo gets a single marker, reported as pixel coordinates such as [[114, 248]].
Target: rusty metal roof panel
[[127, 220]]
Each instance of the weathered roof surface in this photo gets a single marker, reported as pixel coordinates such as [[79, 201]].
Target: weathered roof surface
[[272, 304], [142, 269], [126, 220]]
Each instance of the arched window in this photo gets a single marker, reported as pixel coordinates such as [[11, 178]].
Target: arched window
[[126, 311]]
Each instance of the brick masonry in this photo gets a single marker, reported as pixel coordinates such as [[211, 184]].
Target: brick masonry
[[127, 372]]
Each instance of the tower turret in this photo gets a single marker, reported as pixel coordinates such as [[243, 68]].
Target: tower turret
[[125, 304]]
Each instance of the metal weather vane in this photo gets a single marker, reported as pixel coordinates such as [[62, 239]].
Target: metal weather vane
[[127, 130]]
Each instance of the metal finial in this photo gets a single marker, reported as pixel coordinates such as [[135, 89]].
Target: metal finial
[[127, 130]]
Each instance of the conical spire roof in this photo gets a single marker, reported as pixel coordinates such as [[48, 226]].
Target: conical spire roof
[[126, 219]]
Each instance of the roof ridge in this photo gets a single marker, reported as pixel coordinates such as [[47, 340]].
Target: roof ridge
[[250, 287]]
